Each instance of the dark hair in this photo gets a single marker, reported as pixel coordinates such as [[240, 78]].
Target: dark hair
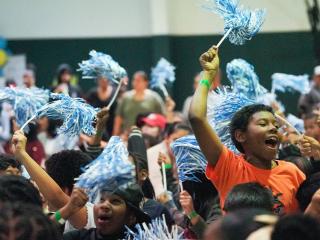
[[249, 195], [10, 82], [151, 141], [307, 189], [291, 153], [32, 135], [52, 127], [9, 161], [239, 224], [65, 166], [63, 68], [143, 74], [302, 163], [204, 196], [140, 116], [296, 227], [24, 221], [18, 189], [241, 119], [309, 116], [176, 126]]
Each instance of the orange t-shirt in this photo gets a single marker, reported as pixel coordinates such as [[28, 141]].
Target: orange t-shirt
[[283, 180]]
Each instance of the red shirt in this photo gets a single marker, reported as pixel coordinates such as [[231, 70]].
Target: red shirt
[[36, 151]]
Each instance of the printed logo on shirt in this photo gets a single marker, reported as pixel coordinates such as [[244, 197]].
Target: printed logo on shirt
[[278, 206]]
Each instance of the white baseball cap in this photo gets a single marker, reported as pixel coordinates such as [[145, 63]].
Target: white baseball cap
[[316, 70]]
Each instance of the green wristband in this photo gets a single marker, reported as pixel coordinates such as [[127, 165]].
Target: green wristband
[[192, 215], [58, 217], [167, 166], [205, 83]]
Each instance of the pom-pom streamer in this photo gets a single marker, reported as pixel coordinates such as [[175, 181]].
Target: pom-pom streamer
[[222, 105], [244, 80], [156, 230], [111, 168], [25, 101], [282, 82], [240, 24], [101, 65], [161, 75], [190, 160], [76, 114]]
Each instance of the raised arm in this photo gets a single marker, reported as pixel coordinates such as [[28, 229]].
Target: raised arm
[[208, 140], [309, 147], [102, 118], [47, 186]]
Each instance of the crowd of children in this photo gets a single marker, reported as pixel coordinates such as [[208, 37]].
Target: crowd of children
[[269, 190]]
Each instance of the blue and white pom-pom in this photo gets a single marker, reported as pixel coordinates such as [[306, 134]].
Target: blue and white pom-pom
[[162, 74], [283, 82], [101, 65], [190, 160], [240, 24], [111, 168], [244, 80], [155, 230], [25, 101], [222, 105], [77, 116]]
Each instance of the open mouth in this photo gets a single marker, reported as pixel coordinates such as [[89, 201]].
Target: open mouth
[[104, 219], [272, 142]]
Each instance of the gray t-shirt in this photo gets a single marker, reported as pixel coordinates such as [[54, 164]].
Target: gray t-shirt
[[129, 108]]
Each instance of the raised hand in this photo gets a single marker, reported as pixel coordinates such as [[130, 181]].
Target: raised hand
[[19, 142], [78, 199], [309, 147], [209, 62], [162, 158], [186, 202], [102, 118]]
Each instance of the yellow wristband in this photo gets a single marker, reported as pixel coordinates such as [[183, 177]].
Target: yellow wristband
[[205, 83]]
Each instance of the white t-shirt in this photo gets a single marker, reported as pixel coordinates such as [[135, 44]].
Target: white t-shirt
[[155, 174], [90, 219]]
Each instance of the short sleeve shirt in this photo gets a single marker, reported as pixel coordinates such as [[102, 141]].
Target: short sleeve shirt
[[283, 180]]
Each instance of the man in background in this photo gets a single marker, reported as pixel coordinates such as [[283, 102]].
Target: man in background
[[310, 101]]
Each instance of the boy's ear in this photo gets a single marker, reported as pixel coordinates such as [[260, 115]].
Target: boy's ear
[[240, 136]]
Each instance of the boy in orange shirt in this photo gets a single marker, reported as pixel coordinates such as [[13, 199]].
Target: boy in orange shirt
[[254, 131]]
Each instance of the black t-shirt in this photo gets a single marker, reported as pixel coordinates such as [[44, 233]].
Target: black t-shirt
[[91, 234], [155, 210], [94, 101]]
